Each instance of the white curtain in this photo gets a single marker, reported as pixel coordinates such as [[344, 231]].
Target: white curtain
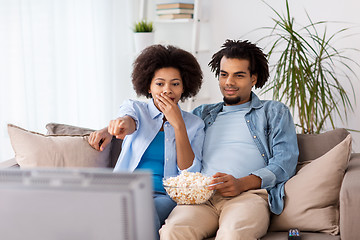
[[65, 61]]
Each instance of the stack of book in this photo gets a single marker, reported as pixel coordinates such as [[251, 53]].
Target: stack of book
[[175, 11]]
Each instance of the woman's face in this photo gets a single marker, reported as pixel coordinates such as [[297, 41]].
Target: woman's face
[[168, 81]]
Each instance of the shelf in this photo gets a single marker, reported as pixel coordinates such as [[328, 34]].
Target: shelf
[[184, 20], [195, 23]]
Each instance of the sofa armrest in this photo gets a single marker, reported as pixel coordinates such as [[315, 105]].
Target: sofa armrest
[[350, 200], [8, 163]]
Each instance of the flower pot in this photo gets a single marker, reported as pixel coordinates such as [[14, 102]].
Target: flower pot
[[143, 40]]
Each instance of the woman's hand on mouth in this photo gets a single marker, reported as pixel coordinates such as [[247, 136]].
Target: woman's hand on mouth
[[170, 109]]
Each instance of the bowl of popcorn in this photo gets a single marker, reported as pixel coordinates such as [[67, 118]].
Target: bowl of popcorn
[[188, 188]]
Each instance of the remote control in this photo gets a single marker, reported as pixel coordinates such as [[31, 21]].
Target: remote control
[[294, 234]]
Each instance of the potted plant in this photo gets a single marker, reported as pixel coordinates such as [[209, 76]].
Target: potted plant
[[143, 34], [309, 72]]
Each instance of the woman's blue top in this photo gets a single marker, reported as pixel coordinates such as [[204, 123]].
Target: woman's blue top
[[153, 160]]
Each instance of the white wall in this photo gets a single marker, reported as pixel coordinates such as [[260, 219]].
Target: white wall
[[63, 61], [236, 19]]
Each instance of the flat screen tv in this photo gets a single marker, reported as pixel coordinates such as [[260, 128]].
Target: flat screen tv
[[79, 204]]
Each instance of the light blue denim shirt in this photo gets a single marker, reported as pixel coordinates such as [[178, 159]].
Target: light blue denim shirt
[[272, 128], [148, 123]]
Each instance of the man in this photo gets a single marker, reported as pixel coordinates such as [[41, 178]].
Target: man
[[250, 149]]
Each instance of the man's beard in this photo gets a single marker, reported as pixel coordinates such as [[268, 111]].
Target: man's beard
[[232, 101]]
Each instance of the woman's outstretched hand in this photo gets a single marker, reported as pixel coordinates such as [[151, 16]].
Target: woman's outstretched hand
[[121, 127]]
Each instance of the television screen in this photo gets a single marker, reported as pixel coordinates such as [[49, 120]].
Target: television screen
[[75, 204]]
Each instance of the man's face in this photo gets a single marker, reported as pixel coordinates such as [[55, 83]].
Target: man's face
[[235, 81]]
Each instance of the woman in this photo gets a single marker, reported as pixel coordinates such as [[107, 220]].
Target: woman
[[158, 135]]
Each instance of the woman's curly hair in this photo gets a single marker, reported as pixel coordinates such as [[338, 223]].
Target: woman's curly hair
[[258, 63], [156, 57]]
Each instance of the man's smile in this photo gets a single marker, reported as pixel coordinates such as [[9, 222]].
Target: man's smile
[[231, 91]]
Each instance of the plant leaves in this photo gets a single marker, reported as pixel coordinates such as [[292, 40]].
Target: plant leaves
[[310, 71]]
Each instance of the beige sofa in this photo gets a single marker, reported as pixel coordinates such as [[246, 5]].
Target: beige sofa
[[312, 148]]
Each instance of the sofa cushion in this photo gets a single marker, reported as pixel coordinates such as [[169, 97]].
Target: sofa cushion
[[37, 150], [312, 146], [64, 129], [312, 195]]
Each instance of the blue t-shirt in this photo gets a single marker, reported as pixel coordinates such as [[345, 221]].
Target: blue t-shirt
[[153, 160], [229, 146]]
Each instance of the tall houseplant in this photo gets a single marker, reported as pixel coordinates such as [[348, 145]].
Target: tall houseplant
[[143, 34], [309, 72]]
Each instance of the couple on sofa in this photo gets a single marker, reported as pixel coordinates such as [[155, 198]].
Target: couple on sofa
[[249, 146]]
